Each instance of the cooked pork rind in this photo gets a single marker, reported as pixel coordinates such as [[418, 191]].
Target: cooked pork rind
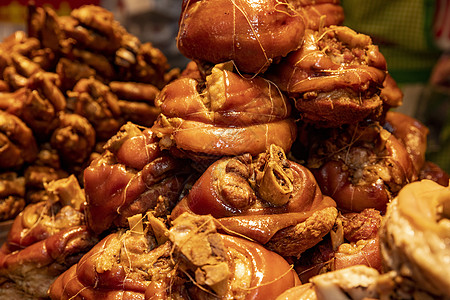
[[224, 115], [360, 166], [12, 195], [412, 133], [132, 175], [269, 199], [335, 77], [251, 34], [192, 261], [415, 239], [353, 240], [319, 13], [17, 143], [74, 81], [45, 240]]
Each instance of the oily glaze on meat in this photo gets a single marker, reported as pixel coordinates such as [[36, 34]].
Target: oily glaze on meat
[[192, 261], [250, 33], [269, 199], [132, 175], [412, 133], [17, 143], [226, 115], [352, 241], [319, 13], [12, 195], [361, 166], [335, 77], [45, 239]]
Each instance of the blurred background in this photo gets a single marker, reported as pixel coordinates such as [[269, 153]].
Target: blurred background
[[413, 35]]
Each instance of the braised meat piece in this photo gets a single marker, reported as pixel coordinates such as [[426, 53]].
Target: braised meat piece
[[192, 262], [391, 94], [17, 143], [12, 195], [433, 172], [74, 139], [137, 101], [224, 115], [251, 34], [45, 239], [360, 166], [269, 199], [353, 240], [94, 100], [335, 77], [319, 13], [412, 133], [132, 175], [43, 103]]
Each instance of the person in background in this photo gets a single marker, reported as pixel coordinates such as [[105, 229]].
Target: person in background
[[414, 37]]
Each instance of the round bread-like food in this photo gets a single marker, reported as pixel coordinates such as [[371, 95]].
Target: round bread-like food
[[415, 238]]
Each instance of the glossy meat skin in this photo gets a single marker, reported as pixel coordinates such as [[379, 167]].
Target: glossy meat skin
[[132, 176], [12, 195], [335, 77], [288, 214], [132, 265], [317, 14], [251, 34], [360, 166], [38, 265], [412, 133], [352, 241], [46, 238], [226, 115], [18, 145]]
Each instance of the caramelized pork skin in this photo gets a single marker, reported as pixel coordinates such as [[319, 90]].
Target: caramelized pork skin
[[192, 261], [17, 143], [12, 195], [132, 176], [224, 115], [35, 267], [270, 199], [433, 172], [335, 77], [321, 13], [412, 133], [361, 166], [46, 238], [353, 241], [251, 34]]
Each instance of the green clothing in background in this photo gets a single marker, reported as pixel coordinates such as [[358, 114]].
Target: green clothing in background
[[403, 31]]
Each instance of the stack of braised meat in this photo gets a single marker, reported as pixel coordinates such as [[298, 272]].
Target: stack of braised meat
[[270, 168]]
